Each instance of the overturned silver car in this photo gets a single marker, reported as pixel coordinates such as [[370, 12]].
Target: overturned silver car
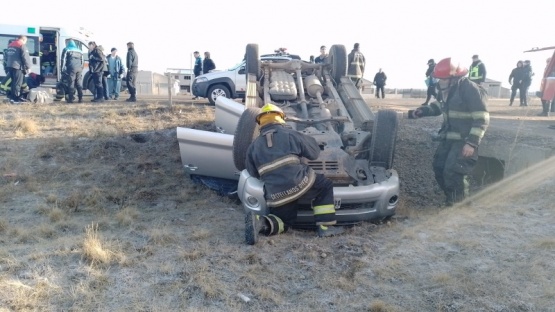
[[357, 146]]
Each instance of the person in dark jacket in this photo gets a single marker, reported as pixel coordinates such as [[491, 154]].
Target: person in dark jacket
[[526, 82], [208, 63], [275, 158], [430, 82], [379, 81], [18, 64], [466, 119], [356, 65], [477, 73], [97, 62], [72, 70], [320, 59], [105, 74], [515, 80], [198, 64], [132, 71]]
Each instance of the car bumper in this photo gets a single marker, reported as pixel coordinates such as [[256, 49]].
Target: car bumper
[[353, 203], [200, 88]]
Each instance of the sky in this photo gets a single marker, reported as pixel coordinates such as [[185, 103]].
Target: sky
[[395, 35]]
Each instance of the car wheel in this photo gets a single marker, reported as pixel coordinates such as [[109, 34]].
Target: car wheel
[[384, 134], [247, 130], [337, 58], [251, 234], [217, 90], [252, 65]]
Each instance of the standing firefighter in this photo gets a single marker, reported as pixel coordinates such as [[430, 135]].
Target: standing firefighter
[[275, 158], [18, 64], [356, 66], [72, 69], [465, 122]]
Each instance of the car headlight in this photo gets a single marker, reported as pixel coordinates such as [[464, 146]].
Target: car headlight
[[201, 79]]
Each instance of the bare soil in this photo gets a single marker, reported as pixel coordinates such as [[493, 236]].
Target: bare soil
[[96, 214]]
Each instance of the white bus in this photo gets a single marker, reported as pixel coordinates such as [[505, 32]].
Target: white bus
[[46, 55]]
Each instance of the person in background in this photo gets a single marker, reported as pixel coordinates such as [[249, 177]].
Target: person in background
[[197, 70], [320, 59], [430, 82], [379, 81], [132, 71], [105, 73], [477, 73], [116, 70], [72, 70], [208, 63], [355, 66], [526, 82], [97, 61], [18, 64], [515, 80]]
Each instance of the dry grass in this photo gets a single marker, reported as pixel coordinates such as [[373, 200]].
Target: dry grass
[[95, 250], [25, 127], [102, 222]]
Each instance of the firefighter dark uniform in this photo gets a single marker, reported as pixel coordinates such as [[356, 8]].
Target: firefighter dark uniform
[[275, 158], [465, 122], [477, 73], [72, 66], [97, 61]]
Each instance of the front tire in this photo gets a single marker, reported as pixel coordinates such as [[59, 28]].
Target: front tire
[[337, 58], [251, 233], [247, 130], [252, 63], [384, 135], [217, 90]]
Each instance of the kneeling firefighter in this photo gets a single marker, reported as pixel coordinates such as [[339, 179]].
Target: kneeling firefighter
[[275, 158]]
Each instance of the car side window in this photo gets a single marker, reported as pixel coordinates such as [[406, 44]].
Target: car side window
[[84, 49]]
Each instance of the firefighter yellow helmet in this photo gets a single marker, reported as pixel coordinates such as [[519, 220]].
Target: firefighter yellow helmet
[[269, 109]]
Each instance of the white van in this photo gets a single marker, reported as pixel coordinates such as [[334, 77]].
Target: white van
[[46, 55]]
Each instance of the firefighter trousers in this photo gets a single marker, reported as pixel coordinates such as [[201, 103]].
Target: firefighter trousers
[[451, 169], [321, 195]]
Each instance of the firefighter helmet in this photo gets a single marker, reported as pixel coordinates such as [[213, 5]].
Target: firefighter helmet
[[447, 68], [269, 108]]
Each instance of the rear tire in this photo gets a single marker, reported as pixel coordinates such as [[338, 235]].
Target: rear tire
[[251, 234], [252, 62], [384, 134], [338, 60], [245, 133]]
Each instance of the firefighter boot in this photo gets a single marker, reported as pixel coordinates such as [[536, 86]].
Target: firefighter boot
[[545, 106], [327, 231], [254, 225]]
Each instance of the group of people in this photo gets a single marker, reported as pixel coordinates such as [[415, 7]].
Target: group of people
[[202, 66], [106, 72], [520, 80]]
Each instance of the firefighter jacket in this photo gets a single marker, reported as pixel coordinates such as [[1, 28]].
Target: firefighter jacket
[[18, 56], [97, 61], [356, 64], [465, 115], [72, 58], [477, 72], [275, 158]]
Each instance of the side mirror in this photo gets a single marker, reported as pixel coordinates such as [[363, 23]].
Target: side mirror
[[242, 70]]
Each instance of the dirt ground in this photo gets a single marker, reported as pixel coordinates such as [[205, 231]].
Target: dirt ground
[[96, 214]]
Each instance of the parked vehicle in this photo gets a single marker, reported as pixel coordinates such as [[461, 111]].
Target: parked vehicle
[[547, 87], [357, 146], [231, 83]]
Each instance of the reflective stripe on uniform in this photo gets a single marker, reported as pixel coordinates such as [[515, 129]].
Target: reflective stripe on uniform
[[280, 162], [281, 225], [477, 132], [480, 115], [459, 115], [284, 197], [453, 136], [324, 209]]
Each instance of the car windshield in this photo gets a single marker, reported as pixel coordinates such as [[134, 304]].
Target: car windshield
[[237, 66]]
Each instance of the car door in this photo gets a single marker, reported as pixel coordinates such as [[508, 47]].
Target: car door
[[240, 80]]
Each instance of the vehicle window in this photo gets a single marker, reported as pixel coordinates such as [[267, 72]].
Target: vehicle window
[[84, 49], [4, 39], [237, 66]]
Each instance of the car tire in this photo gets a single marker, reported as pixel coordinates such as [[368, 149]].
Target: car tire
[[337, 58], [247, 130], [251, 234], [217, 90], [384, 135], [252, 62]]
